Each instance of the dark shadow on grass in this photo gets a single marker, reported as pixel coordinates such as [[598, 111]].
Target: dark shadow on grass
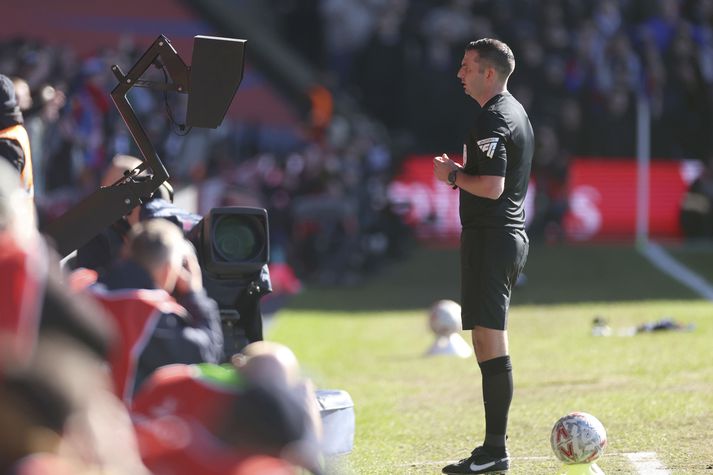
[[555, 274]]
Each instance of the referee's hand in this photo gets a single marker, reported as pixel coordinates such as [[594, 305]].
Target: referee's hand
[[442, 166]]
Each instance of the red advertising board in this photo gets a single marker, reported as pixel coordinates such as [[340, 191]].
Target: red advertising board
[[427, 205], [601, 195]]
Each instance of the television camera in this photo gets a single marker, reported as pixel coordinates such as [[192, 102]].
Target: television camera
[[232, 243]]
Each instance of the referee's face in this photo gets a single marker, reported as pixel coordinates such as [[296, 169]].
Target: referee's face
[[472, 74]]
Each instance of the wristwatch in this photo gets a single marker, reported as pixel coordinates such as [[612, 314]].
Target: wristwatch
[[452, 178]]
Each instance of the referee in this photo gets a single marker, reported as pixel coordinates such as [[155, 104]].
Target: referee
[[493, 181]]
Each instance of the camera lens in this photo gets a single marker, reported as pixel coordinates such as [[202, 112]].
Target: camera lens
[[237, 238]]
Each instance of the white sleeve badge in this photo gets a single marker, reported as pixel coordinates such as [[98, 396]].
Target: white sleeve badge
[[488, 146], [465, 154]]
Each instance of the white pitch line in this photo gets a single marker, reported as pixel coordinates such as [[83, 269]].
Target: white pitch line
[[646, 463], [667, 264]]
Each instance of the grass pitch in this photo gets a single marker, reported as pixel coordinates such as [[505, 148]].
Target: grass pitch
[[653, 392]]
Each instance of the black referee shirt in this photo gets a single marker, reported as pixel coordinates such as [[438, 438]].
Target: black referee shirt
[[500, 143]]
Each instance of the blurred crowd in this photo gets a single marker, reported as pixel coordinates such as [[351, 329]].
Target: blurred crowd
[[330, 220], [581, 67]]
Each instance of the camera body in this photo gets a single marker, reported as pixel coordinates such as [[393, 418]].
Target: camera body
[[233, 248]]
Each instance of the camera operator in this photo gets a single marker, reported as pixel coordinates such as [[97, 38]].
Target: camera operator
[[155, 294], [238, 297]]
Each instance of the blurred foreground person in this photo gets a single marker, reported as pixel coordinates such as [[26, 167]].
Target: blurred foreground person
[[155, 295], [224, 419], [24, 262], [57, 412], [57, 415], [274, 364], [14, 141], [493, 181]]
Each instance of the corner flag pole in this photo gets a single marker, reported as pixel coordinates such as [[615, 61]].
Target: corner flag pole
[[643, 159], [655, 253]]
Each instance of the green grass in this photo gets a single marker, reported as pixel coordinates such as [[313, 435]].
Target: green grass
[[698, 256], [555, 274], [653, 392]]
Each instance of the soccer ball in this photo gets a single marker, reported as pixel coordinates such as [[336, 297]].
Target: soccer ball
[[444, 318], [578, 437]]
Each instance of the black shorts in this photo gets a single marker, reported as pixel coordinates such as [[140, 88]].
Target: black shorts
[[491, 260]]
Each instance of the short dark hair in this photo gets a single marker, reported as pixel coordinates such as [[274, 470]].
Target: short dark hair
[[154, 242], [495, 52]]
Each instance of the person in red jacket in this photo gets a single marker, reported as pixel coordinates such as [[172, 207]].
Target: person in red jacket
[[24, 261], [212, 419], [56, 414], [155, 295]]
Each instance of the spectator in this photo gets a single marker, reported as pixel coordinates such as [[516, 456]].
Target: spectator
[[156, 297], [54, 411], [696, 215], [40, 115], [23, 267], [259, 407], [14, 141], [384, 55], [273, 363], [54, 398]]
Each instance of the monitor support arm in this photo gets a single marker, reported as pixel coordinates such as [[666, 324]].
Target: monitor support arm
[[106, 205], [162, 54]]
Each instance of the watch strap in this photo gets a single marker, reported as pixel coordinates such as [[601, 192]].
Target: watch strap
[[452, 178]]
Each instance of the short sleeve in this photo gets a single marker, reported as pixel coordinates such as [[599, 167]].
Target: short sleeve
[[489, 138]]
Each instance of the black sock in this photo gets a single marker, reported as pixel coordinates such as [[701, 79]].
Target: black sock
[[497, 395]]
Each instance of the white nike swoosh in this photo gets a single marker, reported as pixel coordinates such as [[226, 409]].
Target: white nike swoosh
[[475, 467]]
